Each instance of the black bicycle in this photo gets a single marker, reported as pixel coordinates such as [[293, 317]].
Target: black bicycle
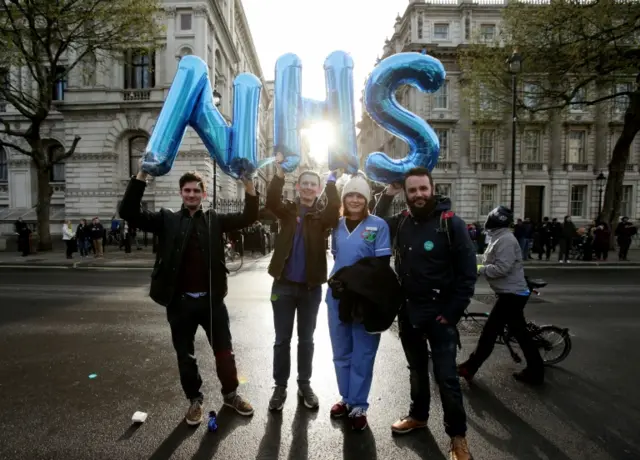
[[553, 342]]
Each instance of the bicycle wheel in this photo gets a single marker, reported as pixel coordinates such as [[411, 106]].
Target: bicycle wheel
[[234, 261], [553, 342]]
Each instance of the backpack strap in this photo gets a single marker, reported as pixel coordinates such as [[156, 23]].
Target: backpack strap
[[394, 244]]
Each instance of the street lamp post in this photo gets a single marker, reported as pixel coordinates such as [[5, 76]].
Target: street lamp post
[[600, 180], [217, 100], [514, 64]]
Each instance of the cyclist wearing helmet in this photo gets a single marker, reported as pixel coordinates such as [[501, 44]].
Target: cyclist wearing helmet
[[504, 271]]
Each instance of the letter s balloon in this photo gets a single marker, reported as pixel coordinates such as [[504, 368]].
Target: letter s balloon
[[423, 72]]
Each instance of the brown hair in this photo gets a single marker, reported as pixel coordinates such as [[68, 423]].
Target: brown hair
[[192, 176], [310, 173], [345, 213], [419, 171]]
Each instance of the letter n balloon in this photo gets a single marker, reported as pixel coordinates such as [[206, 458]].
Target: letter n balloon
[[418, 70]]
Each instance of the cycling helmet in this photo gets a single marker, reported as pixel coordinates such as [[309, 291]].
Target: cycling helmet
[[500, 217]]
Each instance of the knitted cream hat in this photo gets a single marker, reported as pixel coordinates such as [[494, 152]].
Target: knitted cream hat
[[357, 184]]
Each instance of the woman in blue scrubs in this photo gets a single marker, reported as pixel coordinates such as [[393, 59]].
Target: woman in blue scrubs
[[357, 235]]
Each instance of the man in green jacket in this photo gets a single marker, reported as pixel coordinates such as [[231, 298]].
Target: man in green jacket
[[299, 268]]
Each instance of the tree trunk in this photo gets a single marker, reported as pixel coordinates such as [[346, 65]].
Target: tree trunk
[[618, 164], [42, 210]]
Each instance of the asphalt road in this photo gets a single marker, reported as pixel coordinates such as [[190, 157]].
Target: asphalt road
[[59, 326]]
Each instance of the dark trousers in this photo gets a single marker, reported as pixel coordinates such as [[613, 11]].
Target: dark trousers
[[443, 341], [545, 248], [565, 248], [69, 248], [287, 299], [623, 249], [601, 251], [185, 314], [508, 310]]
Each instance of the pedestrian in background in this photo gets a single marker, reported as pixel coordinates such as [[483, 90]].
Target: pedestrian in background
[[68, 236]]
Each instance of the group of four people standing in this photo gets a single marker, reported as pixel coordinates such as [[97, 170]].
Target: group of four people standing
[[434, 261]]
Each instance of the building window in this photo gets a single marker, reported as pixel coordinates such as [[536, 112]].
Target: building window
[[443, 137], [137, 146], [441, 31], [626, 201], [138, 70], [185, 21], [487, 32], [486, 101], [577, 152], [620, 103], [440, 97], [467, 27], [420, 26], [532, 152], [57, 171], [530, 95], [4, 165], [577, 103], [443, 190], [60, 84], [487, 146], [488, 198], [578, 201]]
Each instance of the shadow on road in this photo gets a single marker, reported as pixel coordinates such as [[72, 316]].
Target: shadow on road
[[269, 448], [611, 421], [422, 443], [179, 434], [299, 449], [228, 420], [523, 442]]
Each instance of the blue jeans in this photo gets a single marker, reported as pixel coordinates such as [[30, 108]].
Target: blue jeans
[[354, 354], [524, 246], [286, 299], [443, 341]]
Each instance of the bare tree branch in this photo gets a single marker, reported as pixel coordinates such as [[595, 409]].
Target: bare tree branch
[[16, 147], [10, 131], [64, 155]]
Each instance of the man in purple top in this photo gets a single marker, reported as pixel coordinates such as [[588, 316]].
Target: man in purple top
[[299, 268]]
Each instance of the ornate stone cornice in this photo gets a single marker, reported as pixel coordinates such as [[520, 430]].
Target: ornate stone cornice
[[200, 11], [170, 11], [19, 162], [81, 193], [93, 157]]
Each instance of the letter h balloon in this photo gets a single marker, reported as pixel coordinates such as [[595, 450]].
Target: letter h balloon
[[294, 112], [190, 103]]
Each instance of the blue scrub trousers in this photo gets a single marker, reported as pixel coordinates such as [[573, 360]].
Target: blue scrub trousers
[[354, 353]]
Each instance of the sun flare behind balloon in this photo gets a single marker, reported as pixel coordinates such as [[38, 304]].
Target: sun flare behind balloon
[[320, 136]]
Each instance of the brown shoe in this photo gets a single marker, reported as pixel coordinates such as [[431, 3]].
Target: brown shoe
[[407, 424], [459, 449], [239, 404], [195, 414]]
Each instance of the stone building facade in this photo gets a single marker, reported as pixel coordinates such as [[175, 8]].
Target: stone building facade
[[557, 160], [113, 107]]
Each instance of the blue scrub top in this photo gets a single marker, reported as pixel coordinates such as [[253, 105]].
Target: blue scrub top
[[369, 239]]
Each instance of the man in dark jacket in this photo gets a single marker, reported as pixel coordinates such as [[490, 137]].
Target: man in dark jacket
[[189, 278], [299, 268], [436, 263]]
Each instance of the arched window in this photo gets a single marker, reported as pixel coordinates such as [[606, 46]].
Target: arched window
[[185, 51], [4, 165], [57, 172], [137, 145]]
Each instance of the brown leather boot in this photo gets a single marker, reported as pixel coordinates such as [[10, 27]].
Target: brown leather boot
[[459, 449]]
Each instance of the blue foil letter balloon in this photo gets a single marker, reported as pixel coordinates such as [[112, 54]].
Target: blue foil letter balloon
[[166, 137], [423, 72], [190, 102], [293, 113]]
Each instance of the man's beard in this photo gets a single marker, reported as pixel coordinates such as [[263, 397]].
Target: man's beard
[[423, 211]]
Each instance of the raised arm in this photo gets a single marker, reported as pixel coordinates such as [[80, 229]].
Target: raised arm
[[383, 206], [131, 209], [331, 213], [274, 191], [237, 221]]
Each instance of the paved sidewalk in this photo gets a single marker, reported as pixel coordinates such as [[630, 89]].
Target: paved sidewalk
[[113, 259], [144, 259]]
